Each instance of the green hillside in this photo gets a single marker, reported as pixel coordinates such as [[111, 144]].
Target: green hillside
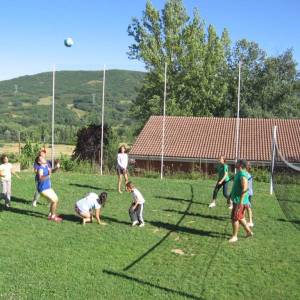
[[25, 102]]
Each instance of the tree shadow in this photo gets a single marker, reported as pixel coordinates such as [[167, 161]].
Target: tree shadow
[[296, 222], [176, 228], [92, 187], [143, 282], [180, 200], [218, 218]]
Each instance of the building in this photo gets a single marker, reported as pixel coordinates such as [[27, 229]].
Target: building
[[196, 143]]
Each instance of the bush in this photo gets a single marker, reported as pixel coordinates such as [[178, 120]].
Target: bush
[[261, 174]]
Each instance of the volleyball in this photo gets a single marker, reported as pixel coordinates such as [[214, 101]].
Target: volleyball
[[69, 42]]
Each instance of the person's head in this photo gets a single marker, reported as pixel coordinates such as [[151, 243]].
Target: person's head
[[122, 149], [42, 160], [222, 160], [102, 199], [248, 166], [4, 159], [42, 152], [241, 164], [129, 186]]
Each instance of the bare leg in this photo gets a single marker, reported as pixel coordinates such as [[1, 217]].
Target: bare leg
[[126, 177], [249, 211], [235, 230], [53, 207], [246, 227], [119, 183]]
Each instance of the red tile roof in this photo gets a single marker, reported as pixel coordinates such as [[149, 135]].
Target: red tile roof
[[209, 138]]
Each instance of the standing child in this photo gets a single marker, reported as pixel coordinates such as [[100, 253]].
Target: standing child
[[44, 188], [122, 163], [250, 191], [137, 207], [6, 170], [85, 206], [223, 182]]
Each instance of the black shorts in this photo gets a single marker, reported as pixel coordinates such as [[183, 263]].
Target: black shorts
[[121, 171]]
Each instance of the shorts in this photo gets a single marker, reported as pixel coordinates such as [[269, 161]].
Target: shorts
[[121, 171], [50, 195], [238, 212]]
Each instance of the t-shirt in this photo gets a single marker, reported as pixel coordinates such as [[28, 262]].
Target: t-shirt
[[5, 170], [137, 197], [250, 184], [222, 169], [43, 185], [236, 192], [122, 160], [89, 202]]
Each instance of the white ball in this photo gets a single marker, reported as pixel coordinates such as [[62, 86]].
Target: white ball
[[69, 42]]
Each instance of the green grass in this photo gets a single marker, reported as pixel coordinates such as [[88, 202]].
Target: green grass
[[43, 260]]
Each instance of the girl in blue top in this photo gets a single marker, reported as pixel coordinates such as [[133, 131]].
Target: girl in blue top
[[44, 188]]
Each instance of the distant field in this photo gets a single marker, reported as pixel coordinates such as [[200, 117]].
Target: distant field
[[181, 253], [59, 149]]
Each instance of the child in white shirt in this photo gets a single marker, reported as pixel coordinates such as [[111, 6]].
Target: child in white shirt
[[137, 207], [85, 206], [6, 170], [122, 163]]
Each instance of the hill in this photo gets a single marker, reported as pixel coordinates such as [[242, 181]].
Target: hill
[[25, 102]]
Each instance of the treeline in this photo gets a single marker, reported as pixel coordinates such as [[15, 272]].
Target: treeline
[[202, 69]]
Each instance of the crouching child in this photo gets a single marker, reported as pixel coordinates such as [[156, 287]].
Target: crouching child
[[137, 207]]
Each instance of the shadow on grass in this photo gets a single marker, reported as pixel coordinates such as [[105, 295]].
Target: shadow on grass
[[176, 228], [30, 213], [140, 281], [71, 218], [114, 220], [180, 199], [92, 187], [296, 222], [20, 200], [171, 227], [218, 218]]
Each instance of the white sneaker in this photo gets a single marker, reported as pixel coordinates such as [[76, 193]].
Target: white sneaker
[[142, 225], [34, 203], [135, 223], [250, 224], [211, 205], [230, 206]]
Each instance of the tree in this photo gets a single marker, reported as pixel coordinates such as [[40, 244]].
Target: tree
[[88, 145], [196, 62]]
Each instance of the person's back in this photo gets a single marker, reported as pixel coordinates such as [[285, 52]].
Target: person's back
[[89, 202], [237, 188]]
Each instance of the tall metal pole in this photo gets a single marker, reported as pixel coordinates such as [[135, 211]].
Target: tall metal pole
[[238, 117], [102, 121], [273, 158], [163, 126], [53, 100]]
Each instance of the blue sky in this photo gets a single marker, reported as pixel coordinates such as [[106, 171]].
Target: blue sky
[[32, 31]]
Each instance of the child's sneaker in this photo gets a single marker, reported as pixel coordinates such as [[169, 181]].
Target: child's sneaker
[[230, 206], [249, 234], [55, 218], [250, 224], [142, 225], [211, 205], [135, 223], [34, 203]]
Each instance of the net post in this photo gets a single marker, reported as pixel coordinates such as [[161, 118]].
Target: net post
[[163, 126], [102, 120], [53, 113], [273, 158]]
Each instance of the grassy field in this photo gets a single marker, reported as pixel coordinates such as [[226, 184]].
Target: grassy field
[[43, 260]]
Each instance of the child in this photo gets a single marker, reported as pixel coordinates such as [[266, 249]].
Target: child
[[223, 181], [137, 206], [122, 163], [44, 188], [6, 171], [250, 191], [85, 206], [42, 153]]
